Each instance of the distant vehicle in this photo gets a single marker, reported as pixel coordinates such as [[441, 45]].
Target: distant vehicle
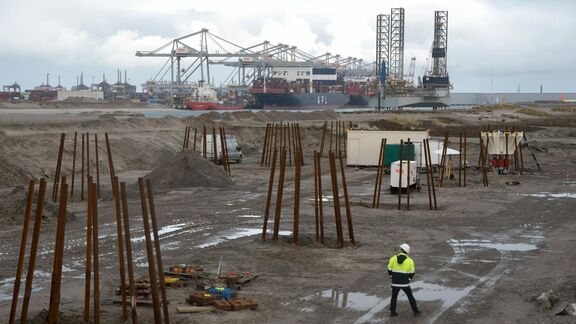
[[234, 150]]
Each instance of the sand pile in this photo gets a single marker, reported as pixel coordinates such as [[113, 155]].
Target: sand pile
[[11, 174], [13, 206], [189, 169]]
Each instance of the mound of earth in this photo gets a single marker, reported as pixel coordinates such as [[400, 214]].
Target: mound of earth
[[11, 174], [189, 169], [13, 206]]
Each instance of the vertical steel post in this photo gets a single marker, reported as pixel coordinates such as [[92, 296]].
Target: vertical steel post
[[378, 170], [465, 156], [22, 254], [425, 149], [150, 253], [400, 176], [460, 161], [289, 136], [58, 167], [73, 165], [222, 150], [96, 148], [226, 149], [320, 198], [204, 141], [297, 177], [506, 164], [331, 130], [381, 173], [316, 215], [521, 158], [336, 195], [294, 139], [347, 201], [431, 175], [269, 196], [88, 273], [195, 134], [214, 146], [337, 138], [120, 244], [110, 161], [96, 254], [264, 146], [485, 156], [126, 219], [270, 145], [56, 281], [409, 160], [188, 137], [33, 250], [82, 177], [299, 140], [87, 154], [324, 129], [184, 139], [443, 166], [279, 194], [158, 252]]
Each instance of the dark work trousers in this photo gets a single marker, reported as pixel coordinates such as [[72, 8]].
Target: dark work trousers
[[408, 292]]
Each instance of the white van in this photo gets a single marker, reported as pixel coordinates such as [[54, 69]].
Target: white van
[[234, 150]]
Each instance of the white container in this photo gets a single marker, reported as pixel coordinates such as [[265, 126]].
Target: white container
[[363, 146], [234, 150], [395, 173]]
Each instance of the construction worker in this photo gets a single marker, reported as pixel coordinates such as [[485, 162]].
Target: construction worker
[[401, 271]]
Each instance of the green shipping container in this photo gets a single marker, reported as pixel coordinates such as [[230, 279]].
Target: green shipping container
[[393, 153]]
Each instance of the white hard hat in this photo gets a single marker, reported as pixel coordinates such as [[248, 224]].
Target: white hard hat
[[405, 247]]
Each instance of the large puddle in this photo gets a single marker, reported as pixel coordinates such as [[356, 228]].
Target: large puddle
[[7, 285], [443, 295], [236, 234], [508, 247], [373, 304], [552, 195]]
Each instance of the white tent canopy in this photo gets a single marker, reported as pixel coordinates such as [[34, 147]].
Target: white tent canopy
[[449, 151], [502, 142]]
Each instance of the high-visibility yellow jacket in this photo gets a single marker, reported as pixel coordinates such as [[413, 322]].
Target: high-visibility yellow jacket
[[401, 269]]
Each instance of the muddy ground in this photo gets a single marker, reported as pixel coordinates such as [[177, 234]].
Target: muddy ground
[[482, 257]]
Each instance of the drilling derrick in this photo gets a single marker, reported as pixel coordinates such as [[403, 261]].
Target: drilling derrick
[[396, 69], [439, 75], [382, 42]]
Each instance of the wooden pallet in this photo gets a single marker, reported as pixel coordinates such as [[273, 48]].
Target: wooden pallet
[[236, 304]]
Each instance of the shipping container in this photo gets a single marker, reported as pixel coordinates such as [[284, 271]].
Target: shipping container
[[363, 147]]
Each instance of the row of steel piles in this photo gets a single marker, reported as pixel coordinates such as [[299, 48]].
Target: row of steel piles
[[380, 174], [216, 156], [462, 165], [85, 162], [336, 140], [278, 136], [92, 245], [318, 196]]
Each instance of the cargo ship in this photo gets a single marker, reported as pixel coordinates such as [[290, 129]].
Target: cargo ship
[[205, 97], [305, 88]]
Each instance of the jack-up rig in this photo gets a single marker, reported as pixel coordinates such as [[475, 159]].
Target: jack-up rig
[[398, 90]]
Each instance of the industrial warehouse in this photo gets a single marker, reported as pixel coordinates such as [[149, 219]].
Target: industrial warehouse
[[287, 193]]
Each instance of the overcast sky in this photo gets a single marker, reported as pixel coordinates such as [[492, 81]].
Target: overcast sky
[[493, 45]]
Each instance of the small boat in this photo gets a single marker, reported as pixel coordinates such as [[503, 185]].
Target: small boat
[[205, 98]]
